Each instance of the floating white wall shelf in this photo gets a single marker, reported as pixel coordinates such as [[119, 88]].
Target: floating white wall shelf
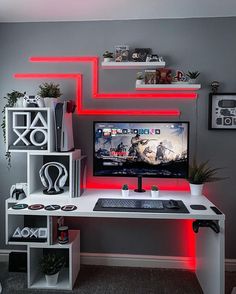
[[169, 87], [132, 65]]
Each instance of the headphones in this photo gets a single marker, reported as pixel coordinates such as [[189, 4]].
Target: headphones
[[56, 187]]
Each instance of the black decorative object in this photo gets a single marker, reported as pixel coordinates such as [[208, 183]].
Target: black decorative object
[[36, 206], [20, 206], [140, 54], [222, 111], [52, 207], [69, 207]]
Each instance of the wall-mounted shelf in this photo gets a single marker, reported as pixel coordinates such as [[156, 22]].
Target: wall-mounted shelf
[[132, 65], [168, 87]]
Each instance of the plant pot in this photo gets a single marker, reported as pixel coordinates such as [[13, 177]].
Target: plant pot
[[196, 189], [154, 194], [52, 279], [49, 102], [139, 82], [19, 102], [192, 81], [125, 193], [107, 59]]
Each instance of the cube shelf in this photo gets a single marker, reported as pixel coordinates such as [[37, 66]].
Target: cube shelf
[[29, 129], [67, 275]]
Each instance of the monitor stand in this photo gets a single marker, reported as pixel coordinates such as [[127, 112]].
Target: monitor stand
[[139, 190]]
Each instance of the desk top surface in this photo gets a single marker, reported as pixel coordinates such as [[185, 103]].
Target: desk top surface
[[87, 201]]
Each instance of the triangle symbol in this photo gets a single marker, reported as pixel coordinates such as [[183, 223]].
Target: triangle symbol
[[17, 233], [39, 122]]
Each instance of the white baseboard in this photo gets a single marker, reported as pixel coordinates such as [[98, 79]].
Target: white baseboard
[[130, 260]]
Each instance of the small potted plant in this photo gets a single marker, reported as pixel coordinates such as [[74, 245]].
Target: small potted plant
[[200, 174], [51, 264], [107, 56], [193, 75], [50, 92], [154, 191], [125, 190], [139, 78]]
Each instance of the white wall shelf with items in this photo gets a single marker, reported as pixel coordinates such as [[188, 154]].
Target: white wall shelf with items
[[132, 65], [29, 129], [169, 87]]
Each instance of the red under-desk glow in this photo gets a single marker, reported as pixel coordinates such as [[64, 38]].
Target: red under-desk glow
[[95, 81]]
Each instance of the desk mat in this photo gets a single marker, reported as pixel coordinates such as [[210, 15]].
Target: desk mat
[[139, 205]]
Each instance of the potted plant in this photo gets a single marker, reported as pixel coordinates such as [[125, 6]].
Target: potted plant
[[193, 75], [107, 56], [139, 78], [51, 264], [200, 174], [50, 92], [125, 190], [154, 191], [14, 98]]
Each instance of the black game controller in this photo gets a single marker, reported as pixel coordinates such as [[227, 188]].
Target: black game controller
[[206, 223]]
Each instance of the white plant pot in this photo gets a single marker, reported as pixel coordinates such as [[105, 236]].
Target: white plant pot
[[52, 279], [196, 189], [154, 194], [107, 59], [139, 82], [192, 81], [19, 102], [125, 193], [50, 102]]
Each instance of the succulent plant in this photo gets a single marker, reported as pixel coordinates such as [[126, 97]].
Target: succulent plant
[[50, 90], [154, 188], [108, 54], [52, 263], [125, 187]]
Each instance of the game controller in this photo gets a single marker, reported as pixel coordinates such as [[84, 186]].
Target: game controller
[[18, 191], [32, 101], [206, 223]]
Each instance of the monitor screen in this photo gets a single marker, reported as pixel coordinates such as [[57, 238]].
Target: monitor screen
[[149, 149]]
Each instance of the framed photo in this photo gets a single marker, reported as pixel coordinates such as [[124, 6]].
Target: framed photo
[[222, 111]]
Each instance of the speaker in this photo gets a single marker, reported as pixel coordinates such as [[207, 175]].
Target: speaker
[[17, 262]]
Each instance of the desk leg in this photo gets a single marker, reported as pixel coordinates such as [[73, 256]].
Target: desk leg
[[210, 263]]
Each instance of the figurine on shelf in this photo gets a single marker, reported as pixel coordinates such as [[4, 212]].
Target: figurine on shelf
[[214, 86], [163, 76], [179, 77]]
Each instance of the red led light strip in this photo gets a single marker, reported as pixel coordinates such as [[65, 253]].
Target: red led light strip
[[81, 111], [95, 84]]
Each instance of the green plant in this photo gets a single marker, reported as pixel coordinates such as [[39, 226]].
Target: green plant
[[139, 76], [11, 101], [52, 263], [125, 187], [193, 74], [202, 173], [50, 90], [108, 54], [154, 188]]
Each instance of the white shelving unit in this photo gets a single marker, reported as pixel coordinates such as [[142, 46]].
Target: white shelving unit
[[67, 275], [132, 65], [26, 124], [169, 87]]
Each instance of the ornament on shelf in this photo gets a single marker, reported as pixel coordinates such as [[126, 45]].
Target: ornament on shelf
[[53, 185]]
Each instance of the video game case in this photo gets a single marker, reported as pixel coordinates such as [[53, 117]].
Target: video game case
[[121, 53], [150, 76]]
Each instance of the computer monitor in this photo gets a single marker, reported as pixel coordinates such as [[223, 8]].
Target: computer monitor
[[141, 149]]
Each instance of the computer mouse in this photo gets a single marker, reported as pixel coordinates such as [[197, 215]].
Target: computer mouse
[[172, 204]]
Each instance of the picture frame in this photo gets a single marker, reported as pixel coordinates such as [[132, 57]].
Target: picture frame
[[222, 111]]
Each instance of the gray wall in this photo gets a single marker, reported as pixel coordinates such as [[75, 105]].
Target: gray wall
[[207, 45]]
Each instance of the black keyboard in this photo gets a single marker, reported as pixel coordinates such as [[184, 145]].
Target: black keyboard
[[140, 205]]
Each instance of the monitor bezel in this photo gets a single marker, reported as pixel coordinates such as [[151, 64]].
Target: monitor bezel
[[144, 176]]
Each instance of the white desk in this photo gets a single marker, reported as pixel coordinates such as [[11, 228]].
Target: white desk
[[209, 245]]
